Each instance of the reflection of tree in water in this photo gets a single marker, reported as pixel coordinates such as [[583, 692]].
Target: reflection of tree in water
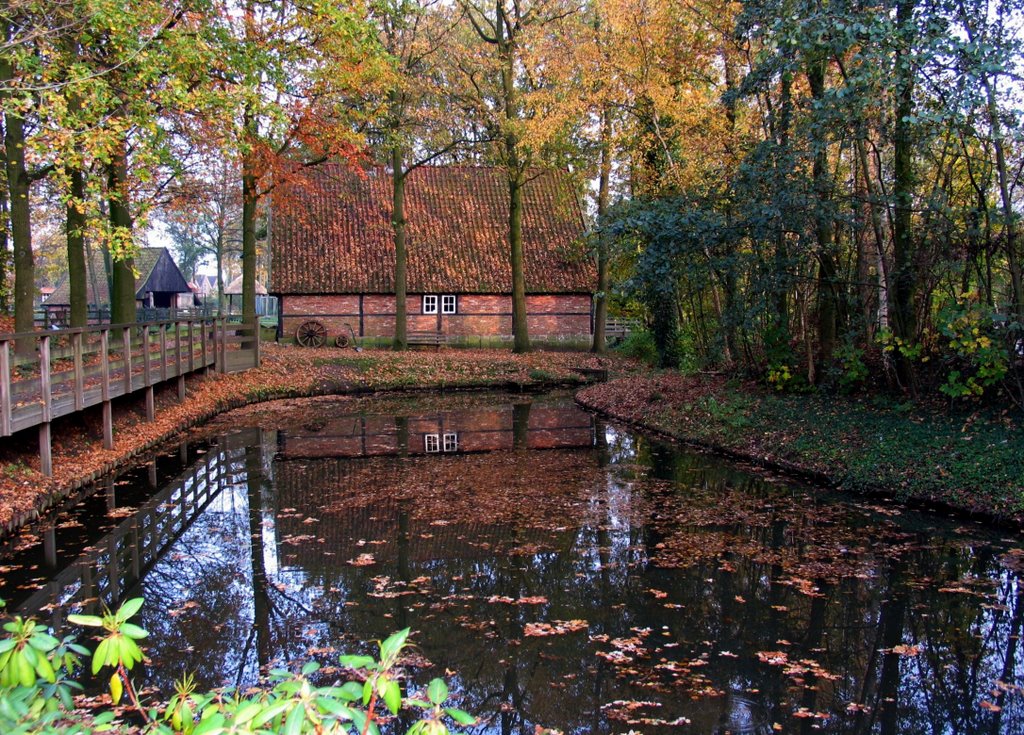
[[757, 568], [200, 596]]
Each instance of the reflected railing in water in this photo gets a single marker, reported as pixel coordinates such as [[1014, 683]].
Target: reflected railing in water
[[117, 562]]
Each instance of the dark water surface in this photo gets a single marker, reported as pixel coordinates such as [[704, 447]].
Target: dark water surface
[[559, 570]]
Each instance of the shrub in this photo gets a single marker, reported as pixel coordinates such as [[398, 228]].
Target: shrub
[[640, 345], [978, 357], [36, 686]]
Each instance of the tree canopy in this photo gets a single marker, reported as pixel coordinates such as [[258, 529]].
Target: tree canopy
[[782, 187]]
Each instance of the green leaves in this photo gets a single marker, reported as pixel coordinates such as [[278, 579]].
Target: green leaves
[[89, 621], [437, 691], [292, 706], [391, 647], [460, 716], [26, 654], [128, 609], [357, 662]]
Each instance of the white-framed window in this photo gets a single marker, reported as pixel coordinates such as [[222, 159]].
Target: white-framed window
[[429, 304], [432, 443], [451, 442], [448, 303]]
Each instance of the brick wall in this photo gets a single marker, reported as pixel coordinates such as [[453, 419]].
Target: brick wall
[[373, 315]]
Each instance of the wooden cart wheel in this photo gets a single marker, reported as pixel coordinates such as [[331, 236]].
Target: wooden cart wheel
[[311, 334], [343, 340]]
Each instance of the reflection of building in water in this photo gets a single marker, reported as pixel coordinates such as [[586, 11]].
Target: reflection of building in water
[[374, 479], [490, 429]]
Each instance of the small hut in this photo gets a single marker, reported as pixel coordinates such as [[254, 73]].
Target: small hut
[[159, 284], [234, 293]]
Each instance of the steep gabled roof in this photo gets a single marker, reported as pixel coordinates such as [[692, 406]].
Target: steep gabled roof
[[156, 270], [332, 233]]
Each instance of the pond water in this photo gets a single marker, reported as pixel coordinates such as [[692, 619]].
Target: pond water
[[558, 570]]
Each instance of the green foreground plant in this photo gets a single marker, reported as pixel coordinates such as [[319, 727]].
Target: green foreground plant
[[37, 686]]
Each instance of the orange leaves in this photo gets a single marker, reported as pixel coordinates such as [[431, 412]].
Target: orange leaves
[[556, 627], [908, 651]]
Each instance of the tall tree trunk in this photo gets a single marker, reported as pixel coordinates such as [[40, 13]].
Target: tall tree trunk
[[778, 342], [1010, 235], [398, 173], [250, 196], [828, 296], [727, 313], [1009, 219], [520, 332], [882, 267], [75, 234], [603, 195], [220, 271], [18, 185], [905, 281], [74, 222], [515, 168], [122, 286], [5, 208], [250, 193]]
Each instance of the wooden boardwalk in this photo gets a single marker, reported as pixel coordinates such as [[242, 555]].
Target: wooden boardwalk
[[49, 374]]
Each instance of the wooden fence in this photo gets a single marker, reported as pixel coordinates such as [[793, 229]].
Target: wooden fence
[[114, 564], [49, 374]]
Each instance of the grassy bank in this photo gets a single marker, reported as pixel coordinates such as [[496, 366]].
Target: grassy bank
[[287, 372], [972, 461]]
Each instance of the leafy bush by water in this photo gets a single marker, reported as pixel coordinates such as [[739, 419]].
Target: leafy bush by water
[[37, 685], [640, 345]]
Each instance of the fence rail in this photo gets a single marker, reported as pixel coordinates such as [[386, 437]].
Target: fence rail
[[54, 373]]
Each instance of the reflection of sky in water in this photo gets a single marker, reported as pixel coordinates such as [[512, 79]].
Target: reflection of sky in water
[[765, 606]]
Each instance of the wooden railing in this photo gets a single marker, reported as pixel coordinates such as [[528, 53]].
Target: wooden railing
[[111, 566], [49, 374], [617, 329]]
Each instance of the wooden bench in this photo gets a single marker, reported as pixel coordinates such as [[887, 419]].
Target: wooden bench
[[426, 339], [616, 330]]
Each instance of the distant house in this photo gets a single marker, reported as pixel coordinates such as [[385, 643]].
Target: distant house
[[159, 284], [334, 255], [205, 287]]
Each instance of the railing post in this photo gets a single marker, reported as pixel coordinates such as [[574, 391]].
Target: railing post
[[76, 346], [45, 455], [163, 352], [126, 334], [108, 418], [147, 366], [204, 334], [177, 360], [256, 343], [223, 346], [5, 388], [191, 347]]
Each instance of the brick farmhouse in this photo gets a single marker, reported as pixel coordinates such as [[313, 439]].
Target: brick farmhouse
[[334, 254]]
